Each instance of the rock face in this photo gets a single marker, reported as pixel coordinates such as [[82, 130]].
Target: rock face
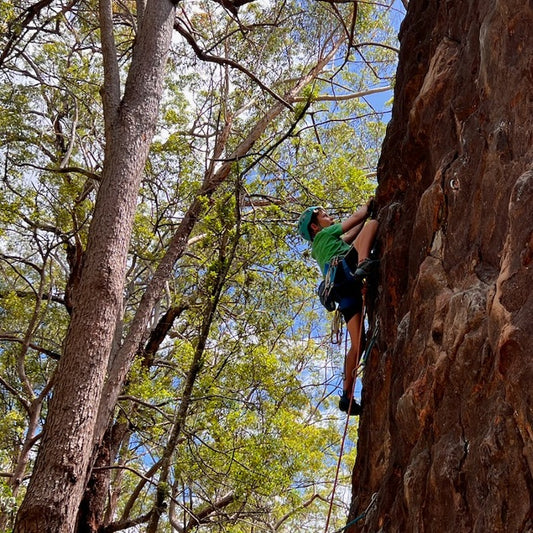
[[446, 438]]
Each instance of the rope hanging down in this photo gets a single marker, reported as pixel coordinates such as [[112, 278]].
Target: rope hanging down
[[361, 516], [355, 372]]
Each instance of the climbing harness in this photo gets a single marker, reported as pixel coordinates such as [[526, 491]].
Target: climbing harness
[[326, 293], [325, 287], [331, 272]]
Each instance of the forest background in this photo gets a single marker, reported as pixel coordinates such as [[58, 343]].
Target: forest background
[[204, 397]]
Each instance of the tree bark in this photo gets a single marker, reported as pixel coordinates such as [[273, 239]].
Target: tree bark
[[93, 507], [445, 441], [90, 377], [121, 360], [93, 504], [60, 472]]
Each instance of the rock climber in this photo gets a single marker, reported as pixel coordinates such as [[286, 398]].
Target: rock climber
[[348, 245]]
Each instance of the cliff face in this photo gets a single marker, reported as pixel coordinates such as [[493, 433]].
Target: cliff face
[[446, 438]]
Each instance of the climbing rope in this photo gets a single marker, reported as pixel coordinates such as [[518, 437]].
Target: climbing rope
[[345, 432], [370, 345], [361, 516]]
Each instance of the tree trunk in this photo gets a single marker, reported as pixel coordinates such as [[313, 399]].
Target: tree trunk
[[89, 377], [445, 442], [60, 472], [93, 505]]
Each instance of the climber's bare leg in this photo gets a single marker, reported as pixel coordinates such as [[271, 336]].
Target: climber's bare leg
[[352, 357], [364, 241]]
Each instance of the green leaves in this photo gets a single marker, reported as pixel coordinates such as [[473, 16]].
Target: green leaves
[[260, 425]]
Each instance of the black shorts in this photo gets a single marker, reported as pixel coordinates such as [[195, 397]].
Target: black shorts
[[346, 291]]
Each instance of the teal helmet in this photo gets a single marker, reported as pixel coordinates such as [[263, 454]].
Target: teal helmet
[[305, 220]]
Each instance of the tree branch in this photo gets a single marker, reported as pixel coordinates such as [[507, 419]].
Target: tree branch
[[13, 338], [205, 513], [19, 24], [16, 393], [126, 524], [159, 333], [111, 87], [304, 505], [69, 170], [224, 61], [382, 45], [344, 97], [138, 489], [26, 294]]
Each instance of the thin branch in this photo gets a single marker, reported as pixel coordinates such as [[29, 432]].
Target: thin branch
[[224, 61], [304, 505], [159, 333], [13, 338], [16, 393], [126, 524], [203, 515], [287, 134], [20, 23], [26, 294], [65, 170], [111, 86], [138, 489], [7, 259], [347, 119], [147, 404], [128, 468], [344, 97], [72, 139], [382, 45]]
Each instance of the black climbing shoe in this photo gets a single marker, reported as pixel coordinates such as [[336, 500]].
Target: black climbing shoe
[[344, 403], [366, 268]]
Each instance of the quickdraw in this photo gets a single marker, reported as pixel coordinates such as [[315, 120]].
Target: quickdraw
[[336, 328]]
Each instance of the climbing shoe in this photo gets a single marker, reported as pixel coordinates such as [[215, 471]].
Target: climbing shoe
[[366, 268], [344, 404]]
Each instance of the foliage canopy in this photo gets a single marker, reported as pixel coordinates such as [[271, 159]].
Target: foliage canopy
[[254, 440]]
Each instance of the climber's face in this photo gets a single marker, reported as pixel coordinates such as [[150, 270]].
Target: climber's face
[[323, 219]]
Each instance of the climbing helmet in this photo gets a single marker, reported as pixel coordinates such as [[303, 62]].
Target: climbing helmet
[[305, 220]]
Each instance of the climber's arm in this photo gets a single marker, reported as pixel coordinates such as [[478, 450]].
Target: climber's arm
[[351, 222], [351, 234]]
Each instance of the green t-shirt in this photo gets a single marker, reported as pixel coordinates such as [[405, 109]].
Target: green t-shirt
[[327, 244]]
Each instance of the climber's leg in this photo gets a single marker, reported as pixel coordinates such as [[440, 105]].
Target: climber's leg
[[351, 362], [364, 241], [352, 356]]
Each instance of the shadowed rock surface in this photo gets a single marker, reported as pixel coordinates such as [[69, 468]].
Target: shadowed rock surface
[[446, 438]]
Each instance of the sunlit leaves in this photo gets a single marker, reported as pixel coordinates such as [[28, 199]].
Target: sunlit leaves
[[259, 425]]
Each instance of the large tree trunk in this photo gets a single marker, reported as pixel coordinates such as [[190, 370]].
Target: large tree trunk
[[90, 377], [60, 472], [446, 442]]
